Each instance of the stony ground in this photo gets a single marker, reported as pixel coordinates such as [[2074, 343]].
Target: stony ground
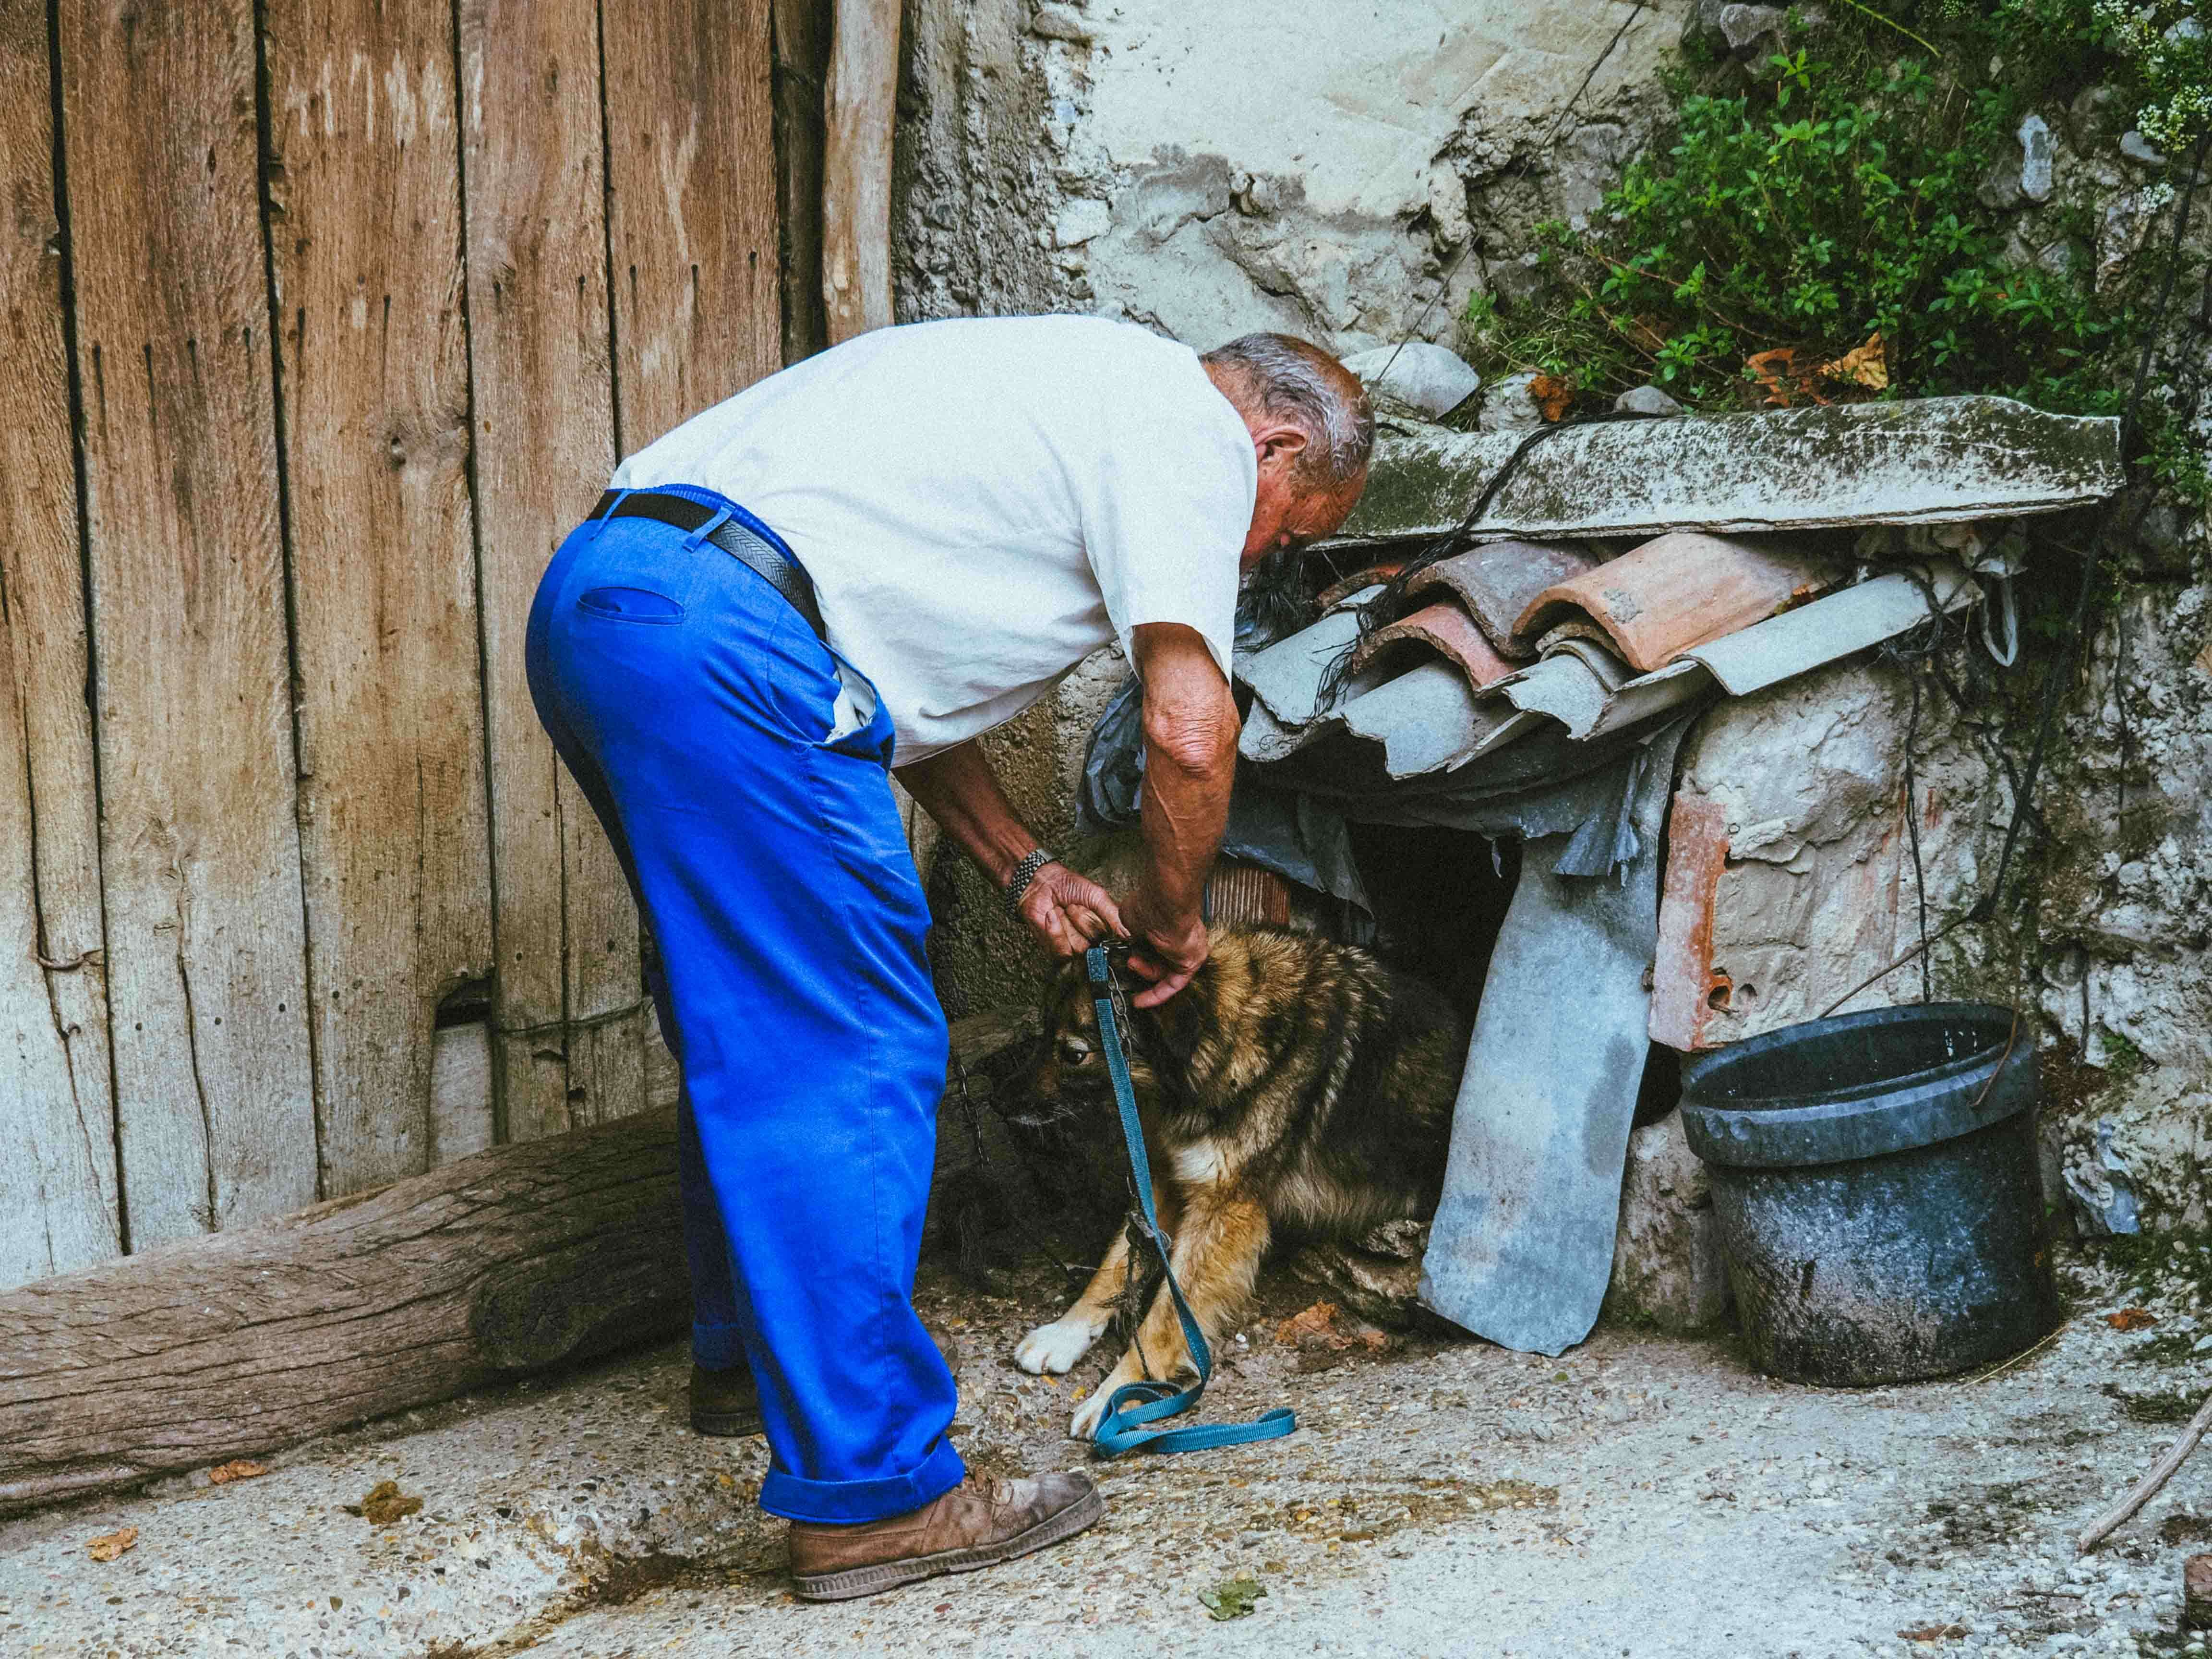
[[1637, 1497]]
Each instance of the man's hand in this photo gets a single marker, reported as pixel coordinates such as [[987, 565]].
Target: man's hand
[[1167, 952], [1069, 914]]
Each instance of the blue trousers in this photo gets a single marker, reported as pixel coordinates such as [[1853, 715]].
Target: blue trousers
[[693, 705]]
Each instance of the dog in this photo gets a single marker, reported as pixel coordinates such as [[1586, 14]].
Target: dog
[[1296, 1086]]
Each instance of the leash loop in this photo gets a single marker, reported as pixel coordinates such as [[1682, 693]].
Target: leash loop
[[1134, 1405]]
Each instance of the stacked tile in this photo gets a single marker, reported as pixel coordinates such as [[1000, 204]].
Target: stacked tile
[[1513, 637]]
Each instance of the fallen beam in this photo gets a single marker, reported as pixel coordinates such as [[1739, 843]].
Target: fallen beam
[[1935, 460], [521, 1257]]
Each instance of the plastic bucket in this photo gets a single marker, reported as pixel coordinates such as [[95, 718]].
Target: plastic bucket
[[1873, 1178]]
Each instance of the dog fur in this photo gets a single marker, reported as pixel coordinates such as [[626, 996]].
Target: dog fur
[[1295, 1087]]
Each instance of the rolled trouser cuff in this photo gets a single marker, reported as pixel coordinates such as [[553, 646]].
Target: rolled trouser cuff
[[848, 1503]]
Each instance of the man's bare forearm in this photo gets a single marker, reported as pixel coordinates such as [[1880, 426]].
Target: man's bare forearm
[[1190, 764], [958, 788]]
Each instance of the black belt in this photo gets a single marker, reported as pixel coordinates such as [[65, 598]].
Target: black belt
[[777, 569]]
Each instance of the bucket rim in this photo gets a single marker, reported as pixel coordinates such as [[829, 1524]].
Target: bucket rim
[[1900, 1113]]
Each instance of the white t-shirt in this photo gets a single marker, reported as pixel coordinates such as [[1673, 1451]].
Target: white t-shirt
[[982, 503]]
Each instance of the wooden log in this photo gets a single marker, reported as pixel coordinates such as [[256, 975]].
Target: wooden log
[[200, 843], [366, 261], [544, 447], [520, 1257], [856, 195], [58, 1206], [801, 34]]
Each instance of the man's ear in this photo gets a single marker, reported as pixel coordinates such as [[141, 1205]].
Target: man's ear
[[1279, 445]]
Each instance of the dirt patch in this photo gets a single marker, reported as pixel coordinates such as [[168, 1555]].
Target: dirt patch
[[2172, 1406], [1364, 1517], [2185, 1529]]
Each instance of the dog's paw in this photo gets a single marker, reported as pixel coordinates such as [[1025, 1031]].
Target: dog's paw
[[1085, 1424], [1055, 1347]]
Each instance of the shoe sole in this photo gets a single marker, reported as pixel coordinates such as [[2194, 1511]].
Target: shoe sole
[[890, 1575], [726, 1425]]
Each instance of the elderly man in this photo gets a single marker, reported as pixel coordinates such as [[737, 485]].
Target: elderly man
[[865, 563]]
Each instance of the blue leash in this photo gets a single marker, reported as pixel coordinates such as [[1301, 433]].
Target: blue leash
[[1135, 1404]]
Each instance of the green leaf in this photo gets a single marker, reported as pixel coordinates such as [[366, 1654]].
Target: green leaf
[[1232, 1598]]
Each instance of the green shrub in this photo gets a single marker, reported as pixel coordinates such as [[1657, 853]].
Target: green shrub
[[1844, 190]]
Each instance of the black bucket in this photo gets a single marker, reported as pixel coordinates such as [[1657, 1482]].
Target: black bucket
[[1873, 1176]]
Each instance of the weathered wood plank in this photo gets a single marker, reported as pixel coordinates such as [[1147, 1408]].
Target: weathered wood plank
[[1934, 460], [698, 316], [518, 1258], [463, 1117], [856, 191], [544, 447], [58, 1207], [802, 72], [367, 262], [200, 844], [691, 168]]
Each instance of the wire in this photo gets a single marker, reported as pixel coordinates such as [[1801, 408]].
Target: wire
[[1551, 132]]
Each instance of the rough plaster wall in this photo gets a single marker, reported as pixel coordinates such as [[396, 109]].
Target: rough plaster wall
[[1819, 892], [1211, 167]]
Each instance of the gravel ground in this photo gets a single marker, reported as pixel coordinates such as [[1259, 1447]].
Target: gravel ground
[[1636, 1497]]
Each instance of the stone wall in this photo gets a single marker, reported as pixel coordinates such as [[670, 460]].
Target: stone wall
[[1209, 167]]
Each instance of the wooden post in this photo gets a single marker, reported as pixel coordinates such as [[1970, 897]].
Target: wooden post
[[856, 214], [199, 838], [366, 266], [58, 1207], [544, 445]]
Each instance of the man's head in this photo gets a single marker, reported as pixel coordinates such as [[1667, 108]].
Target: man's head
[[1312, 428]]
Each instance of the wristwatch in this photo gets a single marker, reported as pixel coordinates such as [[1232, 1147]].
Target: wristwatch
[[1019, 882]]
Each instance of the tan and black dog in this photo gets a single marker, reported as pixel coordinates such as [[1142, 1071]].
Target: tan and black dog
[[1296, 1086]]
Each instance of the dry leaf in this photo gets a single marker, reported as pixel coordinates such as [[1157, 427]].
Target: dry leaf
[[1553, 396], [239, 1469], [2131, 1319], [384, 1503], [1864, 365], [1935, 1632], [110, 1545], [1313, 1321], [1777, 371]]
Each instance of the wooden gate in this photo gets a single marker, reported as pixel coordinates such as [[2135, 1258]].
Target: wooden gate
[[324, 324]]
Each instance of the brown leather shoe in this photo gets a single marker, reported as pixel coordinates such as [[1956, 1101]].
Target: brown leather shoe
[[977, 1523], [724, 1402]]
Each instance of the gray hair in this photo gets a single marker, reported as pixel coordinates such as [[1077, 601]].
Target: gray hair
[[1296, 382]]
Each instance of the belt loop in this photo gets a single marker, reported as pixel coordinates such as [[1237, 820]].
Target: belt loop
[[603, 513], [692, 542]]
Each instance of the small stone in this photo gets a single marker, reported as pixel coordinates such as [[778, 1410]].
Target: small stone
[[1427, 378], [1511, 406], [1058, 23], [1745, 27], [1645, 400], [2136, 148], [1080, 221], [2036, 159], [2196, 1593]]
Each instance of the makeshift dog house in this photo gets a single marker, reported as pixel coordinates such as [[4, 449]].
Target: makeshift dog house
[[1624, 589]]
